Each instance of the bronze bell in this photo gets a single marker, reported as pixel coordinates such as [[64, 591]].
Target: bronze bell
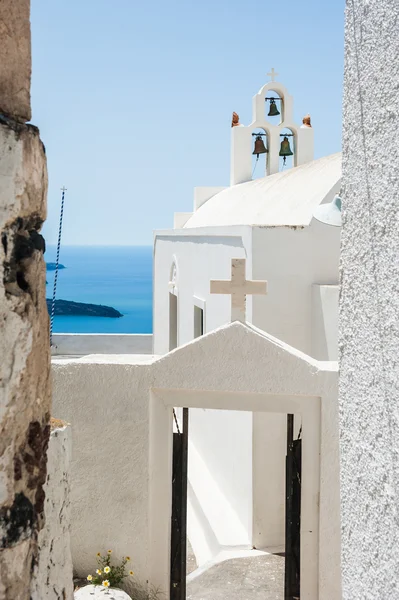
[[285, 149], [273, 111], [259, 147]]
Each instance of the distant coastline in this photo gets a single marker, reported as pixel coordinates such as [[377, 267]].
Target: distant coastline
[[119, 277], [81, 309], [52, 266]]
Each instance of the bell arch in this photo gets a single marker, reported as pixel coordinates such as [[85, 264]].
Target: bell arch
[[287, 149], [300, 138], [274, 107], [260, 152]]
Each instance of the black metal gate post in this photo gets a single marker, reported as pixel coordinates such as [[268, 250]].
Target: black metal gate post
[[292, 514], [178, 558]]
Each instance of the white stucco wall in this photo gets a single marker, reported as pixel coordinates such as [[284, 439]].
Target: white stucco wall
[[214, 457], [369, 304], [122, 426], [220, 499], [269, 446], [84, 343], [53, 576], [107, 406], [199, 258], [325, 300], [292, 260]]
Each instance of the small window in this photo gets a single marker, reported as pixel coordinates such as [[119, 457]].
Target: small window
[[198, 321]]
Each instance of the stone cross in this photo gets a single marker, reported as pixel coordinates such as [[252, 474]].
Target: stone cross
[[272, 74], [238, 287]]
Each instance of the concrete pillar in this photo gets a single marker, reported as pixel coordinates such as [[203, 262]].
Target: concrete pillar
[[24, 338], [369, 304]]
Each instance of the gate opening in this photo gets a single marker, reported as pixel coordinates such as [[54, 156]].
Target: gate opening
[[288, 588]]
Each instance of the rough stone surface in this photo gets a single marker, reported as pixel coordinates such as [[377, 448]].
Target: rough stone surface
[[53, 578], [369, 304], [95, 592], [15, 59], [24, 351], [259, 578]]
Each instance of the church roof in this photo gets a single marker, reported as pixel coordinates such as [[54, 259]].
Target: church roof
[[286, 198]]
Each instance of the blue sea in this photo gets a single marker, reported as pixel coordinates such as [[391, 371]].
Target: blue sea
[[120, 277]]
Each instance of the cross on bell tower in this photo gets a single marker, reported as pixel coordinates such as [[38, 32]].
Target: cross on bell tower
[[272, 74]]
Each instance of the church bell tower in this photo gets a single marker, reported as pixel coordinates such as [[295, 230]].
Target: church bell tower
[[279, 133]]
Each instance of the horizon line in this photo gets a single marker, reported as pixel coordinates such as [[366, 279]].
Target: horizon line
[[100, 245]]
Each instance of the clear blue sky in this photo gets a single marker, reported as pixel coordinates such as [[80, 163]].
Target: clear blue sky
[[134, 99]]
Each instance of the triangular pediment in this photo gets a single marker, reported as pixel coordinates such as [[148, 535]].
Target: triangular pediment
[[241, 358]]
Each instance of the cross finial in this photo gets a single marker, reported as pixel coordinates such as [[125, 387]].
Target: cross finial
[[63, 189], [238, 287], [272, 74]]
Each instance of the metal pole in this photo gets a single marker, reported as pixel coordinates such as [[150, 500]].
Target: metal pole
[[184, 504], [288, 509], [57, 262]]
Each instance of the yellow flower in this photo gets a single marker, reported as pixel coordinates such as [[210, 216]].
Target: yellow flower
[[106, 583], [99, 572], [109, 551], [127, 558], [98, 553], [107, 570], [131, 573], [89, 577]]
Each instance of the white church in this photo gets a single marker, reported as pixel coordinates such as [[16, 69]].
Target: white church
[[245, 334]]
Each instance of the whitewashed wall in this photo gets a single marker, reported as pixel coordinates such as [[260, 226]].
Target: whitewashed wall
[[292, 260], [215, 457], [220, 481], [118, 477], [53, 575], [107, 406], [199, 258], [325, 300]]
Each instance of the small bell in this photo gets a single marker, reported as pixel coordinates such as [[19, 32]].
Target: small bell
[[259, 147], [285, 149], [273, 111]]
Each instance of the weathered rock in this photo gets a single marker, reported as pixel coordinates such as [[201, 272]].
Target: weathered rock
[[15, 59], [53, 575], [95, 592], [25, 392]]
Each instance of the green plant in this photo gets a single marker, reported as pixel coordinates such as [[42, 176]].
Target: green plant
[[108, 575]]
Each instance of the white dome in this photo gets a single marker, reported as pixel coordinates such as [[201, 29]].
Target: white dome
[[286, 198]]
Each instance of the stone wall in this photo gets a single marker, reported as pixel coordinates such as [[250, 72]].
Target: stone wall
[[369, 304], [53, 574], [24, 340], [15, 59]]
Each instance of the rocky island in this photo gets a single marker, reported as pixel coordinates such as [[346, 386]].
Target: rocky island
[[81, 309], [52, 266]]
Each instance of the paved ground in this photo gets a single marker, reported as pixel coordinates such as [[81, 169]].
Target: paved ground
[[257, 578]]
